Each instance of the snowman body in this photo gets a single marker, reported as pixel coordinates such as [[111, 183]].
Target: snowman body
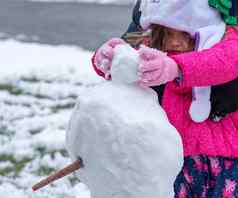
[[127, 145]]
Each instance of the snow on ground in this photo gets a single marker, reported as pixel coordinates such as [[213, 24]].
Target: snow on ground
[[118, 2], [39, 85], [38, 88]]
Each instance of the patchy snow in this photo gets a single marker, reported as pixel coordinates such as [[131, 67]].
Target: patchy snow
[[38, 88], [33, 61]]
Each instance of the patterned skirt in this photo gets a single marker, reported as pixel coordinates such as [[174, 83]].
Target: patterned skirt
[[207, 177]]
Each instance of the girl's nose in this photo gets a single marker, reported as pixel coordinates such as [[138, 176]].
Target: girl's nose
[[175, 44]]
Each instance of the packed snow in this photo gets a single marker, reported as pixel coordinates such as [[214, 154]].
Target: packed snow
[[125, 64], [39, 86], [128, 147]]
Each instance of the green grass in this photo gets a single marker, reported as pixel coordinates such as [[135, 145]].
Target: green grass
[[32, 79], [45, 171], [5, 131], [57, 108], [35, 131], [11, 89], [73, 179], [18, 165], [6, 171]]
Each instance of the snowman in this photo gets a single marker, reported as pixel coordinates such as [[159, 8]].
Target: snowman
[[120, 138], [122, 135]]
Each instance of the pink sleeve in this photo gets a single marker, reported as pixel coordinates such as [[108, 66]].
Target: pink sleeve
[[99, 72], [213, 66]]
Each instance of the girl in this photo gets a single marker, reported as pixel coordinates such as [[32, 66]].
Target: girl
[[200, 52]]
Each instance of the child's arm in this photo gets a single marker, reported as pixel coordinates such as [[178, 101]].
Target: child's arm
[[214, 66]]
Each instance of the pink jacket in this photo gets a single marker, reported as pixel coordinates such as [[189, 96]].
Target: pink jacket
[[214, 66]]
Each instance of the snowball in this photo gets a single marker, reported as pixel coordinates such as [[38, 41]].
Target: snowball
[[128, 147], [125, 64]]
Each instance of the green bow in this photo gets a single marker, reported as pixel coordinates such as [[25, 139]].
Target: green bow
[[224, 6]]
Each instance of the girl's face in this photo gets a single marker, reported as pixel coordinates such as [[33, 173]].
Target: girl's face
[[170, 40]]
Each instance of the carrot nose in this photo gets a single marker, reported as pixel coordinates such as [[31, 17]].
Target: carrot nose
[[59, 174]]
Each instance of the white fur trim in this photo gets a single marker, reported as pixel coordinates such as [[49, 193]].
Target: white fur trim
[[185, 15], [201, 107]]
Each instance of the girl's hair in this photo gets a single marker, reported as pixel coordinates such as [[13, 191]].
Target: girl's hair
[[135, 39], [156, 37], [152, 38]]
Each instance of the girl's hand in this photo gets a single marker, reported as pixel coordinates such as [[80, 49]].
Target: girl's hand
[[155, 67], [104, 56]]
